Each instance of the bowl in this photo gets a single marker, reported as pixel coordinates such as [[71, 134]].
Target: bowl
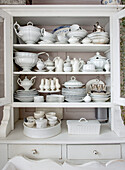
[[26, 62], [79, 34], [38, 115], [29, 124], [100, 40]]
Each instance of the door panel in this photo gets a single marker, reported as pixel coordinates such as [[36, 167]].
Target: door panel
[[5, 58]]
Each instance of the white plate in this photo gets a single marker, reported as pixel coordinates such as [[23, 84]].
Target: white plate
[[73, 86], [74, 101], [49, 91], [100, 99], [93, 81]]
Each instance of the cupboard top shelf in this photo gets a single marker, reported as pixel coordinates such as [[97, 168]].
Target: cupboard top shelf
[[62, 47]]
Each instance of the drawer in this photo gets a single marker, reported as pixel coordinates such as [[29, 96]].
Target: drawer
[[35, 151], [93, 151]]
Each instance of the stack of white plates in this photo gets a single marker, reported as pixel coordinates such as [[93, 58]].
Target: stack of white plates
[[99, 37], [25, 96], [100, 97], [74, 94]]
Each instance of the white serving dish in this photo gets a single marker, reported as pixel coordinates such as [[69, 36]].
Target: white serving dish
[[83, 126], [73, 83], [79, 34], [42, 132], [54, 98], [100, 40]]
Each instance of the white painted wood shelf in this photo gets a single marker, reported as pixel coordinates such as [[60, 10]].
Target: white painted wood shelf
[[63, 105], [61, 73], [62, 47], [106, 137]]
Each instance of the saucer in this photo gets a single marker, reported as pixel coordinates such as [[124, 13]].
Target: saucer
[[40, 70]]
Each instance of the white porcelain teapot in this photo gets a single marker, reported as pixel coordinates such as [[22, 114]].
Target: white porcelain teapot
[[26, 83], [76, 65], [40, 63], [29, 34], [59, 63]]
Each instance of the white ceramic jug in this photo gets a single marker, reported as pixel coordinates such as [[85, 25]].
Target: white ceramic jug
[[59, 63], [76, 65]]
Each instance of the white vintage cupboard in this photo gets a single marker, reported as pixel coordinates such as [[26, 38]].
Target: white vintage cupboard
[[110, 144]]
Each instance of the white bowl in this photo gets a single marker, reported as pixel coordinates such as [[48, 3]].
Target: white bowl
[[26, 62], [100, 40], [30, 124], [38, 115], [54, 98], [78, 34], [25, 99]]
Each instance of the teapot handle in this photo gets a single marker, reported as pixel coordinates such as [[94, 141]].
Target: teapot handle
[[43, 53], [19, 81], [17, 27], [82, 120], [29, 23], [33, 79]]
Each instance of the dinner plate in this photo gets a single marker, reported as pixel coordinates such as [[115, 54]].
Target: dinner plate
[[55, 91], [93, 81]]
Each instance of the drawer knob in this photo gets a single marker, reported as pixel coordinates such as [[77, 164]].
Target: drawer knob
[[34, 151], [95, 152]]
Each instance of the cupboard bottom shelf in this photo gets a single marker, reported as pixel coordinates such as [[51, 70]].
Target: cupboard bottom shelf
[[106, 136], [63, 105]]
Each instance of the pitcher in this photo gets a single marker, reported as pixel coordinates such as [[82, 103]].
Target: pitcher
[[59, 63]]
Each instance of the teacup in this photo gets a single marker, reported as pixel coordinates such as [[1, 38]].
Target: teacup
[[52, 123], [30, 118], [52, 119], [29, 124], [50, 114], [38, 115], [41, 123], [38, 98]]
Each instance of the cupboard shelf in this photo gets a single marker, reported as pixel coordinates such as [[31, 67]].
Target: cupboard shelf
[[62, 47], [106, 136], [61, 73], [63, 105]]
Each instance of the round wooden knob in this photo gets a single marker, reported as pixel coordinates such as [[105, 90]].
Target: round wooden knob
[[95, 152], [34, 151]]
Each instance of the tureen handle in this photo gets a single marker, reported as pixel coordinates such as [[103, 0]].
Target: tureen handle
[[33, 79], [73, 78], [19, 81], [82, 120], [16, 27], [43, 53], [29, 23]]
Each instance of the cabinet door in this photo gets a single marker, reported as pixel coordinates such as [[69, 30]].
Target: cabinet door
[[119, 57], [5, 58]]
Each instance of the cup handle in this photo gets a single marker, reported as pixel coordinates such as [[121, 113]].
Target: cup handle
[[19, 81], [33, 79], [17, 27], [42, 31], [43, 53]]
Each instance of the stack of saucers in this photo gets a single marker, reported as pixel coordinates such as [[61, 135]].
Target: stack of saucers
[[100, 97], [25, 96], [99, 37]]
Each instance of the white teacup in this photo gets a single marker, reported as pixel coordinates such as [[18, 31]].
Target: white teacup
[[41, 123], [52, 118], [38, 98], [39, 114], [50, 114], [52, 123], [30, 118]]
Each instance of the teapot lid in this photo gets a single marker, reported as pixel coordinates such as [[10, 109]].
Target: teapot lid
[[98, 56], [73, 81], [25, 79], [48, 62]]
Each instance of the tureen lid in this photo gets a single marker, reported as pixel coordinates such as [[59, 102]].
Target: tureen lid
[[73, 81], [98, 56]]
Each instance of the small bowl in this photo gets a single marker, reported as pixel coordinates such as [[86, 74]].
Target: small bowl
[[50, 114], [53, 123], [38, 115], [30, 124], [52, 118], [30, 118]]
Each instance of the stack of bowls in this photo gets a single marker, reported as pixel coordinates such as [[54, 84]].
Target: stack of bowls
[[25, 96], [99, 37], [100, 97], [74, 94]]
